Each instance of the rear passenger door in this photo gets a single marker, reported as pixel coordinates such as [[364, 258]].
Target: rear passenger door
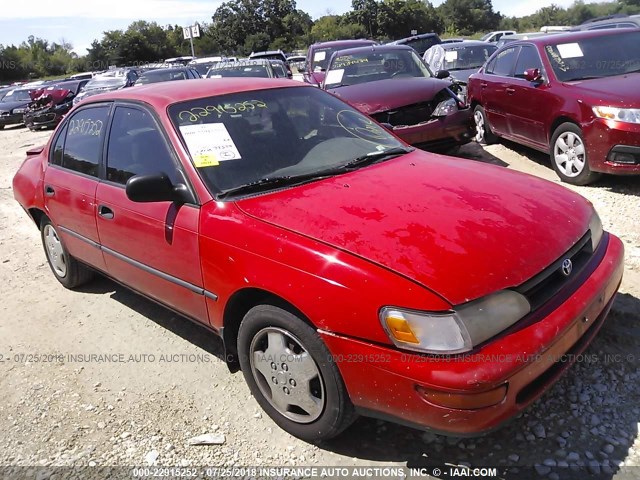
[[152, 247], [71, 181]]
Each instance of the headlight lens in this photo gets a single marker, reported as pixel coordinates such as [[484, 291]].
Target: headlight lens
[[19, 110], [627, 115], [456, 332], [595, 226], [446, 107]]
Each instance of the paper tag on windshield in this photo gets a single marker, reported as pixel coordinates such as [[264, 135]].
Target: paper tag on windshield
[[334, 76], [215, 76], [319, 56], [570, 50], [451, 55], [209, 144]]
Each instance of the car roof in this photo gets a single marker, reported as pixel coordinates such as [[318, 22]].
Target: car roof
[[416, 37], [376, 48], [340, 43], [573, 36], [163, 94], [464, 43]]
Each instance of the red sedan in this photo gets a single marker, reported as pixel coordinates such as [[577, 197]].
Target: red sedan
[[346, 272], [572, 95]]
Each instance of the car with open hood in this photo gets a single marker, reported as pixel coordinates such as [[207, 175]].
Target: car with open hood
[[392, 84], [51, 103], [346, 272], [13, 105], [320, 53], [572, 95]]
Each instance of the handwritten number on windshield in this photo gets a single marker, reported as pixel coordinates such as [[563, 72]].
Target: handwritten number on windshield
[[196, 113]]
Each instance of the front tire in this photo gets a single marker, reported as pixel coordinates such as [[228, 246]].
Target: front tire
[[291, 374], [67, 270], [569, 155], [483, 130]]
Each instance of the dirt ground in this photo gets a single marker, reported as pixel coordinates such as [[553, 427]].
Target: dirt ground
[[164, 381]]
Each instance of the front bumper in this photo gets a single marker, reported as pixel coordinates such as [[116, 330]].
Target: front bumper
[[391, 384], [440, 133], [604, 138], [50, 119], [12, 119]]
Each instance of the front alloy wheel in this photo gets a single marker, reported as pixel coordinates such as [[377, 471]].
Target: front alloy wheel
[[569, 155]]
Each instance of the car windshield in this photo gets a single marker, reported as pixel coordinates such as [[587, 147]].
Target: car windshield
[[595, 57], [203, 68], [17, 96], [421, 45], [106, 82], [239, 139], [239, 70], [370, 66], [321, 58], [465, 58], [161, 76], [486, 36]]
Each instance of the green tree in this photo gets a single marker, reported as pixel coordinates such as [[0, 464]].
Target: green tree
[[396, 18], [469, 16]]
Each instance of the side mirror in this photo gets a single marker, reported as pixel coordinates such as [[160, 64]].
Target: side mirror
[[533, 75], [156, 187], [441, 74]]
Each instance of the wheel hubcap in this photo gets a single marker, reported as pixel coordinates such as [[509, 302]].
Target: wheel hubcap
[[479, 119], [569, 154], [55, 251], [287, 375]]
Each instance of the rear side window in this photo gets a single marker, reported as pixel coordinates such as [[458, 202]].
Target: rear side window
[[83, 140], [137, 147], [58, 147], [504, 62], [528, 58]]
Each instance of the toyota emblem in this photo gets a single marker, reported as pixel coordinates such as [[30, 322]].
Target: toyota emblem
[[567, 266]]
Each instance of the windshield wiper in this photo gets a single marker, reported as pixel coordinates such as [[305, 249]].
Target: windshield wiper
[[268, 183]]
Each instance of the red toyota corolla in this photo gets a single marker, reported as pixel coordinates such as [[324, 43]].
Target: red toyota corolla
[[346, 272]]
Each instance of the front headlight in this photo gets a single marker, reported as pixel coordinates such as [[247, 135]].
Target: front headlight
[[627, 115], [456, 332], [446, 107], [19, 110], [595, 226]]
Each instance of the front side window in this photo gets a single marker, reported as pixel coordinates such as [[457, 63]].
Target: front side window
[[504, 62], [85, 132], [370, 66], [242, 138], [137, 147], [528, 58], [595, 57]]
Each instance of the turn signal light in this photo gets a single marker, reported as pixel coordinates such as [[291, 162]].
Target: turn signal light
[[400, 329], [464, 401]]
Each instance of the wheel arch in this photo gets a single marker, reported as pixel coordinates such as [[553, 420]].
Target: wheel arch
[[237, 307], [559, 121], [36, 215]]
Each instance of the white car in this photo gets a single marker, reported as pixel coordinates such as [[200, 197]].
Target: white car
[[497, 35]]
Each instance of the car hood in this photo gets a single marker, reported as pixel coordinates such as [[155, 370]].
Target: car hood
[[620, 91], [383, 95], [8, 106], [459, 228]]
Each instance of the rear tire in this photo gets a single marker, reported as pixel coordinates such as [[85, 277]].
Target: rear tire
[[483, 130], [569, 156], [67, 270], [292, 375]]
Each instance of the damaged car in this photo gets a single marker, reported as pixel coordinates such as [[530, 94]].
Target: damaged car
[[393, 85], [50, 104], [13, 105]]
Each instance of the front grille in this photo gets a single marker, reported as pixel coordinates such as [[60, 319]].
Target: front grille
[[544, 286], [404, 116]]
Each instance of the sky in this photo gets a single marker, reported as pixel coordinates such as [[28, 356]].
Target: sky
[[79, 22]]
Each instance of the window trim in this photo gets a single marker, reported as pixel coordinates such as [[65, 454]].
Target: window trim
[[64, 125]]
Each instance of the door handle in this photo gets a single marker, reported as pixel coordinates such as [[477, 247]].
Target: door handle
[[484, 85], [511, 91], [49, 191], [105, 212]]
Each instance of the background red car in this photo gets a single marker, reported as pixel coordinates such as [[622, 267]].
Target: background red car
[[573, 95], [319, 54], [345, 271]]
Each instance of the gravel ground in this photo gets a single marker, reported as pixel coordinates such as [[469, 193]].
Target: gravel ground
[[165, 383]]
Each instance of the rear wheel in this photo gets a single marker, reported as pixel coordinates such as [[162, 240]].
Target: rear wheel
[[67, 270], [483, 130], [569, 156], [291, 374]]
